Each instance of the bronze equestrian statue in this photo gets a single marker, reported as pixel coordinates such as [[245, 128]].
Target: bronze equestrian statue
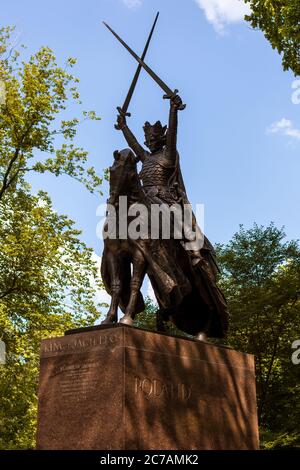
[[184, 280]]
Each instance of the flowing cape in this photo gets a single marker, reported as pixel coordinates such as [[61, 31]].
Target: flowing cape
[[187, 295]]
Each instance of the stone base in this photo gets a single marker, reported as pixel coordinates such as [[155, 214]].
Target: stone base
[[117, 387]]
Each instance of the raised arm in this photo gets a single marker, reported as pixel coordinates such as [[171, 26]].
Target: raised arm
[[171, 145], [130, 138]]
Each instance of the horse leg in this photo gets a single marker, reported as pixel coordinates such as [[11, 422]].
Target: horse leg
[[138, 274], [116, 287]]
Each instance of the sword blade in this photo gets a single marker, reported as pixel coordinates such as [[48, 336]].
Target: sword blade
[[152, 74], [138, 70]]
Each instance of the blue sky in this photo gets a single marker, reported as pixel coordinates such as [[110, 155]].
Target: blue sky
[[239, 136]]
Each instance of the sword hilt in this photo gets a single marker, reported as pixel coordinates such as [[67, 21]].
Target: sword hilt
[[123, 114], [170, 96]]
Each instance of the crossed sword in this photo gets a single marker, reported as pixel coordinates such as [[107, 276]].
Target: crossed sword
[[123, 111]]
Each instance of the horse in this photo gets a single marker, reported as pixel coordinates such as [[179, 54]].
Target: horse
[[123, 265]]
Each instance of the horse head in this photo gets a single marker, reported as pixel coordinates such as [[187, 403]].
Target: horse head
[[124, 180]]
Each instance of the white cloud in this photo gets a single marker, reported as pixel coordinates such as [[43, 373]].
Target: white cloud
[[132, 3], [222, 12], [284, 127]]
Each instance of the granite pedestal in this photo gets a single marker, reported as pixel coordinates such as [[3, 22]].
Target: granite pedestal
[[117, 387]]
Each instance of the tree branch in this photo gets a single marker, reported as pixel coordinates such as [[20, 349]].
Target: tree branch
[[6, 183]]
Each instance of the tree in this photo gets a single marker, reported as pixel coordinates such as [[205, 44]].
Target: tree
[[48, 277], [261, 280], [34, 94], [147, 319], [48, 282], [279, 20]]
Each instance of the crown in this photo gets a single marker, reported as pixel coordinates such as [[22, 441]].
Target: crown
[[155, 129]]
